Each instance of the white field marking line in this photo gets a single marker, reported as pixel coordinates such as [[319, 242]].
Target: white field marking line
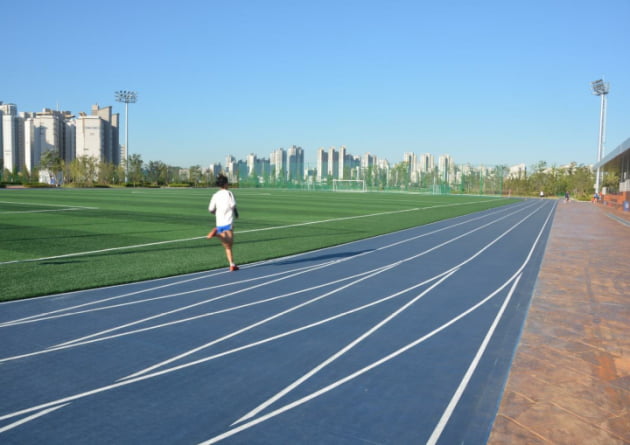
[[446, 415], [292, 386], [183, 308], [515, 276], [342, 351], [298, 402], [50, 315], [216, 356], [41, 211], [182, 320], [48, 205], [33, 417], [158, 243], [260, 322]]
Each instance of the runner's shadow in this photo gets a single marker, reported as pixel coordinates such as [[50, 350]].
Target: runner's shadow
[[328, 256]]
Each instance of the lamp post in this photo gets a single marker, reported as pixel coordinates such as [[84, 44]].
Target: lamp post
[[600, 88], [126, 97]]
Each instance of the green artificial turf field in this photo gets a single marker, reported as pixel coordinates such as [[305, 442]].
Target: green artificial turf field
[[57, 240]]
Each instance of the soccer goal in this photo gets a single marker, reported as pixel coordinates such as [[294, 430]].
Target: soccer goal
[[349, 185]]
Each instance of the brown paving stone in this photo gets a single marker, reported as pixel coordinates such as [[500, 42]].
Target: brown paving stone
[[570, 379]]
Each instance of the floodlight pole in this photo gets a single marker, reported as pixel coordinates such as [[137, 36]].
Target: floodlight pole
[[600, 88], [126, 97]]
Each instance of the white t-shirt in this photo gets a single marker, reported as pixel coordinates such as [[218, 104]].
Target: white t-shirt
[[222, 205]]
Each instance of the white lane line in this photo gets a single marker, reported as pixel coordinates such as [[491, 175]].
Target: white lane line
[[342, 351], [184, 308], [29, 418], [355, 374], [158, 243], [261, 322], [175, 322], [289, 388], [515, 277], [446, 415], [215, 356], [62, 312]]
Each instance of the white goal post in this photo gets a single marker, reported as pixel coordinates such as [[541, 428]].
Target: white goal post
[[349, 185]]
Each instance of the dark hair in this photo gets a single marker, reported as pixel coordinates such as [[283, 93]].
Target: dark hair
[[222, 181]]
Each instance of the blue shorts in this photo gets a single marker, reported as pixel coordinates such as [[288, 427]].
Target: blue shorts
[[224, 228]]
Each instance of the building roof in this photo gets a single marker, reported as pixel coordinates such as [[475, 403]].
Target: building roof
[[616, 153]]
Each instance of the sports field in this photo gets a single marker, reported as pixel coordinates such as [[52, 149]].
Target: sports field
[[58, 240]]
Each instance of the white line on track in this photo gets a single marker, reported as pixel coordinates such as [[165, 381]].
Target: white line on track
[[29, 418], [59, 313], [343, 350], [184, 320], [446, 415], [261, 322], [355, 374], [210, 300], [371, 330]]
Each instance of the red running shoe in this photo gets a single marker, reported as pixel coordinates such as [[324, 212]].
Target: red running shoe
[[233, 268]]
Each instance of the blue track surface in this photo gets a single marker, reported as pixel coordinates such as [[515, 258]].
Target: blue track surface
[[403, 338]]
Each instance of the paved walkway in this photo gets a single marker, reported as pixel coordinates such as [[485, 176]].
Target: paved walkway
[[570, 380]]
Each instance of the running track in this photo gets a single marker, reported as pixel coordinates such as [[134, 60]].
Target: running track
[[398, 339]]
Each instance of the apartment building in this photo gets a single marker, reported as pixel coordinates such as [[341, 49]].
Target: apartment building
[[26, 136]]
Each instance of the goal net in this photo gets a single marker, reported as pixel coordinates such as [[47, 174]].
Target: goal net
[[349, 185]]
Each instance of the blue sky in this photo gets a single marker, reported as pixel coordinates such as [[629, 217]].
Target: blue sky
[[488, 82]]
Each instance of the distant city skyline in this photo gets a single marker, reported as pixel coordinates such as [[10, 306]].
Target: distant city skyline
[[489, 82]]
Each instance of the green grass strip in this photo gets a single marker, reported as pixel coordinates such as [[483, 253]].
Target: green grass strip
[[59, 240]]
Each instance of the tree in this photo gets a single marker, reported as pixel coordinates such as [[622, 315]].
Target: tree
[[82, 171], [135, 169], [195, 175], [51, 161], [157, 172]]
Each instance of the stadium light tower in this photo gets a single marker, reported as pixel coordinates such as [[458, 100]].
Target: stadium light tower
[[600, 88], [126, 97]]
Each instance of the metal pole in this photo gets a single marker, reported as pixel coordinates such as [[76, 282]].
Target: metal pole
[[126, 141], [600, 88]]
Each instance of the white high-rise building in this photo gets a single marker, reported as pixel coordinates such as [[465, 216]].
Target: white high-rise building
[[278, 161], [333, 163], [446, 168], [322, 165], [11, 137], [427, 163], [46, 131], [295, 163]]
